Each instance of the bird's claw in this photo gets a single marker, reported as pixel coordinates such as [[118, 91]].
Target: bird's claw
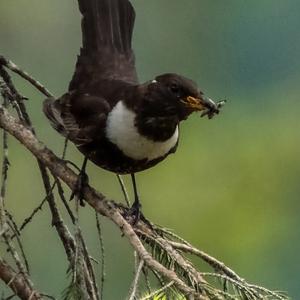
[[133, 215], [82, 181]]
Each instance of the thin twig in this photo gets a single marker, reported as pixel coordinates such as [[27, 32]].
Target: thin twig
[[8, 91], [90, 269], [175, 255], [13, 67], [146, 277], [124, 190], [158, 277], [166, 231], [217, 265], [267, 291], [64, 200], [83, 265], [60, 188], [4, 174], [135, 282], [244, 288], [9, 216], [100, 238], [21, 269], [64, 153], [9, 297], [82, 276], [35, 211], [21, 247]]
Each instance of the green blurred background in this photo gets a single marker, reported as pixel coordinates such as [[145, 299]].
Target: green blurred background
[[232, 188]]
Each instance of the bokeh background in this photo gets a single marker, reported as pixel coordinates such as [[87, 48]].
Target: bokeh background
[[232, 188]]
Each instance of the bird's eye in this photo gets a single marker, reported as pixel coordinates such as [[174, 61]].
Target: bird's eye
[[175, 89]]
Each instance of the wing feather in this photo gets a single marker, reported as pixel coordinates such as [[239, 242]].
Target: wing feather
[[82, 124]]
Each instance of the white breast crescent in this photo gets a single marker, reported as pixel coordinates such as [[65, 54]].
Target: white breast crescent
[[121, 130]]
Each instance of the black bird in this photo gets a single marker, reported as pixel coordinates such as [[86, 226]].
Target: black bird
[[116, 122]]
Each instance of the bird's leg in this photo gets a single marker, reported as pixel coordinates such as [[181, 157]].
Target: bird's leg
[[81, 182], [135, 209], [134, 214]]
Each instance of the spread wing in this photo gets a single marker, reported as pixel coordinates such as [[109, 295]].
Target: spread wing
[[106, 52], [79, 117]]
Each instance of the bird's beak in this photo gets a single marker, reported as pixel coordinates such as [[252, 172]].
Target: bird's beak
[[198, 104]]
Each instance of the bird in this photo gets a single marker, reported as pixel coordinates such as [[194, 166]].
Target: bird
[[115, 121]]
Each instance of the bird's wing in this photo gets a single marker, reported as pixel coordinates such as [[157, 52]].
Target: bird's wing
[[79, 117], [106, 52]]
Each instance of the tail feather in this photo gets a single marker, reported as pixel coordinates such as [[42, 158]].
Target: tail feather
[[107, 23], [107, 27]]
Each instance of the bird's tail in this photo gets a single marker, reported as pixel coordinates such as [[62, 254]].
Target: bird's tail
[[107, 27], [107, 23]]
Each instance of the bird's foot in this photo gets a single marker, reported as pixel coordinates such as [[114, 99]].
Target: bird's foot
[[82, 181], [134, 214]]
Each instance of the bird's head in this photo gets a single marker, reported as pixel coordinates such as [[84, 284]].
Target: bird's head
[[177, 95]]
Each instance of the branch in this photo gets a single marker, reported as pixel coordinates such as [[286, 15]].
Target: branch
[[17, 283]]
